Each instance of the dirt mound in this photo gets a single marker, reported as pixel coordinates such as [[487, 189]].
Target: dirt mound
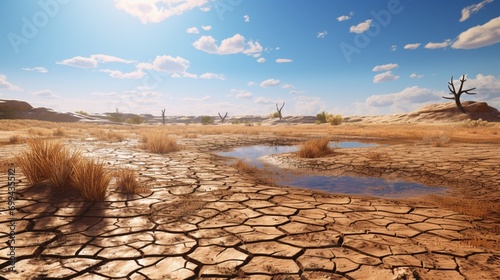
[[15, 109]]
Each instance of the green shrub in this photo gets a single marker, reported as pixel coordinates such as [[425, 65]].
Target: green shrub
[[322, 117], [207, 120], [136, 119], [274, 115], [335, 119]]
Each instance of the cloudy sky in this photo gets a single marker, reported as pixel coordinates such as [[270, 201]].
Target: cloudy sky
[[198, 57]]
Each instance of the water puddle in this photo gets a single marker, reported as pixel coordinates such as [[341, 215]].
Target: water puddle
[[372, 186]]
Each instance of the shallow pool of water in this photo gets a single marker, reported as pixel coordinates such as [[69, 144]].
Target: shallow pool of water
[[373, 186]]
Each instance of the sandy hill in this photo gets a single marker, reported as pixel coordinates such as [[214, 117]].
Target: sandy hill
[[434, 113]]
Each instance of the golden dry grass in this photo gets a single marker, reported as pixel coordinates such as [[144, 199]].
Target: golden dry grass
[[91, 179], [108, 135], [61, 175], [315, 148], [16, 139], [127, 181], [159, 142], [59, 132]]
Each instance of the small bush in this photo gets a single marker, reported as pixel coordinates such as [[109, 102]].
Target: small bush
[[315, 148], [91, 179], [475, 123], [115, 117], [136, 119], [110, 135], [322, 117], [335, 119], [82, 113], [59, 132], [437, 140], [159, 142], [207, 120], [274, 115]]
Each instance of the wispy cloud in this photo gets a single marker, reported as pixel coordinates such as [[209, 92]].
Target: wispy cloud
[[411, 46], [342, 18], [197, 99], [472, 9], [385, 77], [206, 27], [93, 61], [385, 67], [211, 76], [362, 27], [270, 83], [261, 60], [232, 45], [393, 48], [442, 45], [45, 94], [413, 95], [479, 36], [4, 84], [241, 94], [193, 30], [246, 18], [36, 69], [158, 10], [322, 34], [416, 76], [287, 86], [283, 60], [137, 74]]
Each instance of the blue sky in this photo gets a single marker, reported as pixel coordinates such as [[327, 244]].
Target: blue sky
[[198, 57]]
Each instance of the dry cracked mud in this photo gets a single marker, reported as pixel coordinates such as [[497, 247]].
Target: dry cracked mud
[[202, 218]]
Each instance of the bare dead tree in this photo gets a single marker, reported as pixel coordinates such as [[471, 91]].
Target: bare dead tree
[[279, 110], [456, 95], [163, 116], [222, 118]]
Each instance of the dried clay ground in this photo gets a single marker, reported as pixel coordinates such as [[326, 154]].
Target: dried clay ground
[[198, 217]]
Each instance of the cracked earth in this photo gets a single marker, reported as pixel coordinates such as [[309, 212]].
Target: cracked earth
[[202, 218]]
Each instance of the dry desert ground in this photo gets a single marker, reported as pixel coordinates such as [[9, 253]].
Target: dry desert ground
[[192, 214]]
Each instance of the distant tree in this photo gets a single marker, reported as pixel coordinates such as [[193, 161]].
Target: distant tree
[[222, 119], [321, 117], [163, 116], [279, 110], [207, 120], [456, 95]]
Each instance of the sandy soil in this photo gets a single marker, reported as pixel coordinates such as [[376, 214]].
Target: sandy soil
[[202, 218]]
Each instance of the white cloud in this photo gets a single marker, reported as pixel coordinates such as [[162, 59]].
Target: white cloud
[[479, 36], [385, 77], [321, 34], [394, 48], [232, 45], [342, 18], [193, 30], [261, 60], [487, 89], [412, 46], [92, 61], [137, 74], [385, 67], [412, 95], [270, 83], [472, 9], [306, 105], [206, 9], [251, 84], [169, 64], [210, 76], [297, 92], [241, 94], [200, 99], [362, 27], [206, 27], [158, 10], [442, 45], [4, 84], [45, 94], [287, 86], [283, 60], [246, 18], [36, 69], [416, 76], [263, 100], [253, 48]]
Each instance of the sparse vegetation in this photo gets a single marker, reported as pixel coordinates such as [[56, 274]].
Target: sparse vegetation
[[274, 115], [82, 113], [136, 119], [91, 179], [110, 135], [127, 181], [15, 139], [159, 142], [474, 123], [456, 95], [315, 148], [441, 140], [321, 117], [205, 120], [59, 132], [335, 119], [116, 116]]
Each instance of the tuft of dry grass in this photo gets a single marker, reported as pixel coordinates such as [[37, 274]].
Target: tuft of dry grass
[[39, 161], [91, 179], [110, 135], [127, 180], [61, 175], [16, 139], [315, 148], [59, 132], [159, 142], [437, 140], [244, 167]]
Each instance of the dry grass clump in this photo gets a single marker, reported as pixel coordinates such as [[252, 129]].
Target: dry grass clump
[[39, 131], [16, 139], [110, 135], [91, 179], [244, 167], [315, 148], [159, 143], [437, 140], [127, 181], [64, 169], [59, 132]]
